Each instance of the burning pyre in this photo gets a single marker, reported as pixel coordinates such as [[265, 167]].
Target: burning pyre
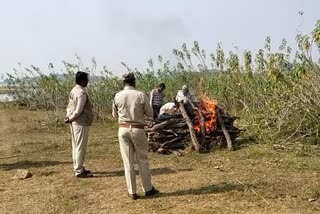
[[207, 110], [209, 127]]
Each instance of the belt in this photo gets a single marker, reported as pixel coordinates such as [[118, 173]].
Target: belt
[[126, 125]]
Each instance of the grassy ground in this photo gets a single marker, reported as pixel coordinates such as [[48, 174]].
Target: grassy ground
[[253, 179]]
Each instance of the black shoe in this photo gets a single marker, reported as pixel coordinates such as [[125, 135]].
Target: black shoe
[[86, 171], [84, 175], [133, 196], [151, 192]]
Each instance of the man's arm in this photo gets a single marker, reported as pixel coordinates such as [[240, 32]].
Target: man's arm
[[148, 111], [193, 98], [82, 99], [178, 97], [151, 97], [114, 109], [191, 103]]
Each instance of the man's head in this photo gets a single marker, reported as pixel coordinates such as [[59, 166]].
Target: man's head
[[82, 78], [185, 89], [129, 79], [162, 87]]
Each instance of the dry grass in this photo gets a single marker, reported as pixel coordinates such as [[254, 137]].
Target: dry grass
[[254, 179]]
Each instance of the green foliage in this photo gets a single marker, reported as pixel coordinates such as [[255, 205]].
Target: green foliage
[[277, 98], [260, 61], [233, 63], [316, 34], [248, 61], [220, 57]]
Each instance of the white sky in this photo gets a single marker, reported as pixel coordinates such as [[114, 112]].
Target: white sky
[[39, 32]]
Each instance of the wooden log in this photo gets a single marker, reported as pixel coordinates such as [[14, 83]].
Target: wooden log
[[178, 125], [163, 139], [181, 128], [162, 125], [182, 132], [178, 133], [175, 146], [194, 140], [172, 143], [225, 132], [169, 132], [202, 127]]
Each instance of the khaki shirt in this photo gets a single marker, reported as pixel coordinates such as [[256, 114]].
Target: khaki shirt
[[131, 107], [79, 109]]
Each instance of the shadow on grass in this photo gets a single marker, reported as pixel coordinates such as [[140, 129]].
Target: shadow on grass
[[210, 189], [156, 171], [31, 164]]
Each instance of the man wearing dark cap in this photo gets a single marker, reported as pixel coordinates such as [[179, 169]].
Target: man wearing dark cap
[[130, 107], [80, 117], [156, 99]]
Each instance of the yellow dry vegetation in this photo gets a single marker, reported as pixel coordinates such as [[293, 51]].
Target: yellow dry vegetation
[[253, 179]]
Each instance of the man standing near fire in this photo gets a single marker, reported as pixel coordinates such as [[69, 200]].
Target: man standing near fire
[[156, 99], [130, 107], [184, 96], [168, 109]]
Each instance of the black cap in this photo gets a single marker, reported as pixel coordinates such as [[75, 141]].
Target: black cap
[[128, 76]]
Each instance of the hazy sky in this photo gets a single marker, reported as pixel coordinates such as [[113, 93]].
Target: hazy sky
[[48, 31]]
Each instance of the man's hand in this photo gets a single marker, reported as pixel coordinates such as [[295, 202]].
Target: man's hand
[[66, 120]]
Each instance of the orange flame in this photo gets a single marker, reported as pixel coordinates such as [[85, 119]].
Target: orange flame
[[207, 108]]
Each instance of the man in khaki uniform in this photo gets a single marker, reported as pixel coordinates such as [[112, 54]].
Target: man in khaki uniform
[[131, 107], [80, 117]]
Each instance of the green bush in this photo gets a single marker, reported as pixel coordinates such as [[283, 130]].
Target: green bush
[[276, 97]]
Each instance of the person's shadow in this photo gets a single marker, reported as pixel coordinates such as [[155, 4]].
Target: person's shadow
[[155, 171], [31, 164], [210, 189]]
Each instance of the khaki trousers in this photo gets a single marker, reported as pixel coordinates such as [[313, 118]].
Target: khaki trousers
[[80, 135], [134, 148]]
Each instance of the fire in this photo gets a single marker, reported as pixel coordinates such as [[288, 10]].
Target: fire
[[207, 107]]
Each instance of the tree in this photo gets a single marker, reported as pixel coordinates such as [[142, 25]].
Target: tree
[[248, 61], [220, 57]]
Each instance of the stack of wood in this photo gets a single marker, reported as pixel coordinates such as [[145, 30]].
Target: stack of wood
[[175, 133]]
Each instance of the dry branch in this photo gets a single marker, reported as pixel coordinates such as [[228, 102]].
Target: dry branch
[[225, 132], [194, 140]]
